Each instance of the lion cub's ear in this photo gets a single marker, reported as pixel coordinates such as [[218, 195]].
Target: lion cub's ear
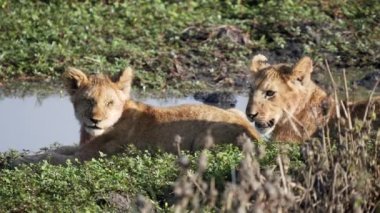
[[259, 62], [302, 70], [73, 79], [124, 80]]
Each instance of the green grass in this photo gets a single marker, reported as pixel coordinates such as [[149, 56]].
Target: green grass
[[78, 188], [40, 39]]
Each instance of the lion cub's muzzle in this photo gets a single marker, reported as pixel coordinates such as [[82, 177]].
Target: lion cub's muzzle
[[263, 125], [251, 116], [258, 123], [94, 124]]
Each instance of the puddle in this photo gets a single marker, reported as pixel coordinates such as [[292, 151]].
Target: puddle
[[31, 123], [31, 119]]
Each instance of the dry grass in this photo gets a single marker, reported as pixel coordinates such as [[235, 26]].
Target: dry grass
[[338, 176], [341, 173]]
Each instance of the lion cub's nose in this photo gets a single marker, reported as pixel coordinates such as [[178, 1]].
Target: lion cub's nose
[[252, 116], [94, 120]]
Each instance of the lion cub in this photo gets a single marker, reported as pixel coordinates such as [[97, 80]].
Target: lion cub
[[110, 120], [286, 105]]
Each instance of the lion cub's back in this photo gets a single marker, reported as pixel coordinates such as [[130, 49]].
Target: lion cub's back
[[194, 123], [201, 112]]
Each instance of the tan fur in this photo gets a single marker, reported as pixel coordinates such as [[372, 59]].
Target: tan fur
[[297, 108], [149, 127], [127, 122], [98, 101]]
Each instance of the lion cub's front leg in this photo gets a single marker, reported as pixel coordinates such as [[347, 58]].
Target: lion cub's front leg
[[52, 157], [105, 144]]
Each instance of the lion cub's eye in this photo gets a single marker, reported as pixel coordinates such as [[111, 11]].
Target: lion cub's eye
[[110, 103], [269, 93]]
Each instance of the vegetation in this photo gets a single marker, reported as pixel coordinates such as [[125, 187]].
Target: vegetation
[[322, 175], [78, 188], [185, 45]]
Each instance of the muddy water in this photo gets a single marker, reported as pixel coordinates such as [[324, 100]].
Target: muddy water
[[31, 123]]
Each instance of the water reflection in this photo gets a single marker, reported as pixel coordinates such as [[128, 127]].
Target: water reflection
[[31, 123]]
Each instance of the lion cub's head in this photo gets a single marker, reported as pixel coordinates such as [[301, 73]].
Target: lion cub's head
[[277, 92], [98, 100]]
